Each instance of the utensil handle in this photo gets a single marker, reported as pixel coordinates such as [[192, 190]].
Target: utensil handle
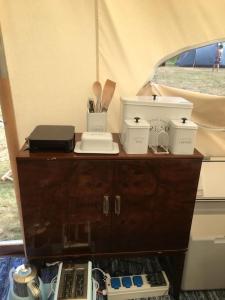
[[98, 105], [106, 205], [117, 205], [91, 105], [34, 289]]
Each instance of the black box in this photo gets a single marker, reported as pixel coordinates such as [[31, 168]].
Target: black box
[[52, 138]]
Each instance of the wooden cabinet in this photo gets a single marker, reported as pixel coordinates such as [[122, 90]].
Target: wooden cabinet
[[85, 204], [74, 204]]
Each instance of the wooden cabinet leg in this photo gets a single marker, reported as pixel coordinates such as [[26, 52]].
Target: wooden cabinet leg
[[173, 265]]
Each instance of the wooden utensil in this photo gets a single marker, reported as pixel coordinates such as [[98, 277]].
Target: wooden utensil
[[107, 94], [97, 89]]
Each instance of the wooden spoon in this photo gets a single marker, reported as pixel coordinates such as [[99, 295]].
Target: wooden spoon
[[107, 94], [97, 89]]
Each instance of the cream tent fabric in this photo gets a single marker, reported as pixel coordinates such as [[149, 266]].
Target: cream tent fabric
[[136, 36], [55, 50], [50, 48]]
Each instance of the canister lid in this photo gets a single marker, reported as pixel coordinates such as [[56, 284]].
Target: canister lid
[[183, 123], [24, 273], [137, 122]]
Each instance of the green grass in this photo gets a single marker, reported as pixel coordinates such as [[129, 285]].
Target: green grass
[[9, 219], [194, 79]]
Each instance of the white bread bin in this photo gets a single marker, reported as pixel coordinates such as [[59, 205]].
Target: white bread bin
[[151, 108]]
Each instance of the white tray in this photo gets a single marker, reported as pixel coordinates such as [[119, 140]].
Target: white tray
[[115, 150]]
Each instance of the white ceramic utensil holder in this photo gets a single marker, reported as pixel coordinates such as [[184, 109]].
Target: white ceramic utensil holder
[[97, 122]]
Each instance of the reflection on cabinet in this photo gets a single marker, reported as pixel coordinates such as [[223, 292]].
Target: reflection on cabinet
[[76, 205], [157, 199], [62, 205]]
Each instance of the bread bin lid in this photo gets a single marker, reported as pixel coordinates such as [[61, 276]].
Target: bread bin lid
[[183, 123], [163, 101], [137, 123], [96, 136]]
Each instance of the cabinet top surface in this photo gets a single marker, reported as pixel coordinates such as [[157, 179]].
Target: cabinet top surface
[[24, 153]]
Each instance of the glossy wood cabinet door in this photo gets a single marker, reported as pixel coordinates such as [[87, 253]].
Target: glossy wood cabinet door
[[65, 208], [88, 223], [44, 204], [174, 202], [135, 185], [153, 204]]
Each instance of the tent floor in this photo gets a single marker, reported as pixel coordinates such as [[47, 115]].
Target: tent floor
[[6, 263]]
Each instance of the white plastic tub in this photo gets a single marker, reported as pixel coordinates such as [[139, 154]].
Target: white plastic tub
[[92, 141], [205, 260]]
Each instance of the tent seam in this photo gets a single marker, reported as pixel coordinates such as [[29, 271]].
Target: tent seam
[[97, 39]]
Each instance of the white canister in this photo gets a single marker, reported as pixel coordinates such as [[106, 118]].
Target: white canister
[[135, 136], [182, 135]]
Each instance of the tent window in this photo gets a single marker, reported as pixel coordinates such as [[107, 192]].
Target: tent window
[[195, 70], [203, 85], [9, 223]]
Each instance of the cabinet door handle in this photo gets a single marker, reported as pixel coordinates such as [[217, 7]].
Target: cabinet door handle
[[106, 205], [117, 205]]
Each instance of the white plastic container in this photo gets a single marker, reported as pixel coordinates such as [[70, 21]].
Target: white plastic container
[[182, 135], [93, 141], [97, 122], [96, 142], [204, 266], [135, 136]]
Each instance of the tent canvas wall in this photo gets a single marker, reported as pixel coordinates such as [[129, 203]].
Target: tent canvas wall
[[56, 49], [200, 57]]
